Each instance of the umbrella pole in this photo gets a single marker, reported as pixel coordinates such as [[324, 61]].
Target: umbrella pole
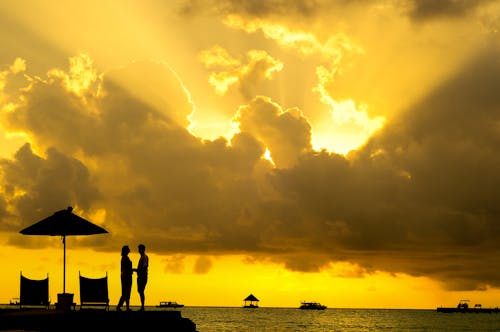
[[64, 264]]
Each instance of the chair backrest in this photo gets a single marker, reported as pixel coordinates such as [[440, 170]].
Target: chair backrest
[[34, 292], [94, 291]]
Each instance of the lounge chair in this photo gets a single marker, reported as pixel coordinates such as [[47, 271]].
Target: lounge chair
[[94, 292], [34, 292]]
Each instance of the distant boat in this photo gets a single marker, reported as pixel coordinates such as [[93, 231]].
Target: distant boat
[[170, 304], [463, 306], [251, 302], [14, 301], [312, 306]]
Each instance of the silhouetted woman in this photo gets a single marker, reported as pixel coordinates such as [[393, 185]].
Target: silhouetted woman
[[126, 278]]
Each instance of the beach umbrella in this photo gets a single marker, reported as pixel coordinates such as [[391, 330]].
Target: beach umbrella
[[63, 223]]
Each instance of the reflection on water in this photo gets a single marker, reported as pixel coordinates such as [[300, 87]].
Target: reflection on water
[[225, 319], [353, 320]]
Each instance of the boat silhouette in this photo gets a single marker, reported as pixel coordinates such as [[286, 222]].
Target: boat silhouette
[[312, 306], [463, 306], [170, 304]]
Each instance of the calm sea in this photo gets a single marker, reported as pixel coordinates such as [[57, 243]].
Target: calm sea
[[209, 319], [232, 319]]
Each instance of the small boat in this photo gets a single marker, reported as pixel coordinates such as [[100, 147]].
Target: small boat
[[170, 304], [463, 306], [312, 306], [14, 301]]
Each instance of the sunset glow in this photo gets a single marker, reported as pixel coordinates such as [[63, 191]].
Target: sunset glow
[[336, 151]]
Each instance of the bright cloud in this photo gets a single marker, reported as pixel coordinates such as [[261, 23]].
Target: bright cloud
[[129, 159], [260, 66]]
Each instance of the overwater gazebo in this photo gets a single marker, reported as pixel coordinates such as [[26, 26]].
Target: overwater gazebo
[[251, 302]]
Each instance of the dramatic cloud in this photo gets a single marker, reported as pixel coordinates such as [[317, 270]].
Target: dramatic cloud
[[254, 8], [202, 265], [334, 54], [420, 197], [35, 184], [152, 174], [428, 9], [286, 133], [417, 9], [260, 66]]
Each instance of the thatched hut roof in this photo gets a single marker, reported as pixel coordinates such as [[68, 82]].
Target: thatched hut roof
[[251, 298]]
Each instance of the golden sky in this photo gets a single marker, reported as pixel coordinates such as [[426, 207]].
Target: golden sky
[[339, 151]]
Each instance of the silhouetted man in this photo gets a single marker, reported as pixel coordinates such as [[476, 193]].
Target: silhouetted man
[[142, 273]]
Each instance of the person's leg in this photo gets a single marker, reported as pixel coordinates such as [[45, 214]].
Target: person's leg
[[120, 303], [122, 297], [141, 285], [128, 290], [142, 299]]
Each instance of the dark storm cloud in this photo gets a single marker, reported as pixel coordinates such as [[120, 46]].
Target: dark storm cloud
[[287, 133], [252, 7], [417, 10], [429, 9], [420, 197], [37, 185], [156, 179]]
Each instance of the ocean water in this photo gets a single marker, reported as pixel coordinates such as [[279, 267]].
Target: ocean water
[[238, 319], [215, 319]]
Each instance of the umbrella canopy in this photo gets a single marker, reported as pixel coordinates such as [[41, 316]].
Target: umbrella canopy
[[63, 223]]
